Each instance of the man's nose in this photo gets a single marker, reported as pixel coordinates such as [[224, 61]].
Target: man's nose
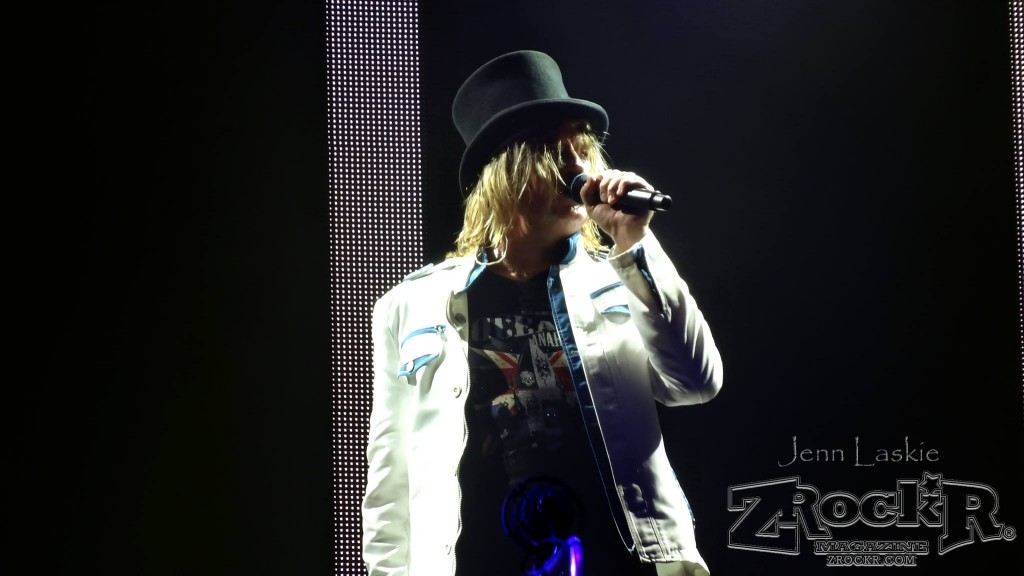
[[574, 163]]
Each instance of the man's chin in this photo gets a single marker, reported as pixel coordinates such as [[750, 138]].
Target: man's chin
[[579, 210], [565, 205]]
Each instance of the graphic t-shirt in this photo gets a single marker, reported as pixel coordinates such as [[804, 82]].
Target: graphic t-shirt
[[522, 404], [524, 423]]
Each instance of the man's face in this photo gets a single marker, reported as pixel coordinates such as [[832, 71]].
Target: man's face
[[567, 153], [545, 203]]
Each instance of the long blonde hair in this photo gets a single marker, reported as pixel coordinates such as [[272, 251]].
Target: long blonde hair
[[491, 206]]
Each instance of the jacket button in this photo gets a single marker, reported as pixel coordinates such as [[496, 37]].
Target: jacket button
[[459, 318], [457, 391]]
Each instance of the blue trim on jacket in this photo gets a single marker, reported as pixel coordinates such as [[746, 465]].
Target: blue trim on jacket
[[560, 314]]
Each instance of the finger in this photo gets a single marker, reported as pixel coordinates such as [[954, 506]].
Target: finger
[[590, 193], [598, 190], [629, 181], [610, 185]]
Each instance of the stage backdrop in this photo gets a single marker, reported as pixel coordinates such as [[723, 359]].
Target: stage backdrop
[[845, 217]]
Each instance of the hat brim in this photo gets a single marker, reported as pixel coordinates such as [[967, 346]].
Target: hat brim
[[513, 123]]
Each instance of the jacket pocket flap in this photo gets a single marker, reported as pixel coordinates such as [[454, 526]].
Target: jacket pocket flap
[[419, 348], [611, 300]]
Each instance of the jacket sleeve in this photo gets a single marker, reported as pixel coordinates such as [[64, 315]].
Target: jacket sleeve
[[686, 365], [386, 501]]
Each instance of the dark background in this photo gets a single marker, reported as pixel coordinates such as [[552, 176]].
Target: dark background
[[173, 251], [845, 217]]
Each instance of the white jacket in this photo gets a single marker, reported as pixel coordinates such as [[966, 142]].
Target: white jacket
[[630, 329]]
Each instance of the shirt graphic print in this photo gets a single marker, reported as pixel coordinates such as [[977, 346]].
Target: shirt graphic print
[[522, 404]]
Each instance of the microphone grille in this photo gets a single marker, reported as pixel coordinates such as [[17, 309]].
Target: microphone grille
[[575, 186]]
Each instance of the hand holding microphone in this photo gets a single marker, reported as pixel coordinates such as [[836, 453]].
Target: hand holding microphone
[[634, 200]]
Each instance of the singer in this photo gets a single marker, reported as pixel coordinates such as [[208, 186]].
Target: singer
[[534, 350]]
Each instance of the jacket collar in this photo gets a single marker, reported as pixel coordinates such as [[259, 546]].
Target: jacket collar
[[477, 265]]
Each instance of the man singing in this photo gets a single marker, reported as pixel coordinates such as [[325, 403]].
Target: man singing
[[533, 356]]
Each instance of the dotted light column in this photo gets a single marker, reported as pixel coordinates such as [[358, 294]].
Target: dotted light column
[[376, 218], [1017, 73]]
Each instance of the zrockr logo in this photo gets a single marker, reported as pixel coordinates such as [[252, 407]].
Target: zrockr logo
[[774, 513]]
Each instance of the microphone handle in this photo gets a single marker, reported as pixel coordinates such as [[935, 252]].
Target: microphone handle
[[637, 200], [634, 200]]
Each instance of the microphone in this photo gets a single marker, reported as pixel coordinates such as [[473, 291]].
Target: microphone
[[632, 201]]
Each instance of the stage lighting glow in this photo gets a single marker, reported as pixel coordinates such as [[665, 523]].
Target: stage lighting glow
[[1017, 73], [376, 218]]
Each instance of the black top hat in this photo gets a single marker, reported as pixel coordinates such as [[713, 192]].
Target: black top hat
[[508, 97]]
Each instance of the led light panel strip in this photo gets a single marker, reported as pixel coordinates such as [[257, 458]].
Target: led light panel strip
[[376, 217], [1017, 77]]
